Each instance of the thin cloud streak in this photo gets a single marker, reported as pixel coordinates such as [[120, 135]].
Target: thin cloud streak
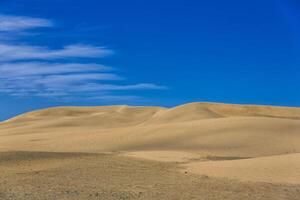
[[76, 78], [9, 52], [112, 87], [20, 23], [43, 68]]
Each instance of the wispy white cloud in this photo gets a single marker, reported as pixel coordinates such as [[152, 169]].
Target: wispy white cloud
[[23, 69], [62, 80], [36, 70], [20, 23], [10, 52], [72, 79], [92, 87]]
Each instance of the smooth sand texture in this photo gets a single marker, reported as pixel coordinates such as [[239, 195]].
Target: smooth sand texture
[[166, 156], [281, 169], [244, 143]]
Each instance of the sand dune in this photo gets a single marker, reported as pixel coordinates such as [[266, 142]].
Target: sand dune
[[77, 176], [281, 169], [186, 134]]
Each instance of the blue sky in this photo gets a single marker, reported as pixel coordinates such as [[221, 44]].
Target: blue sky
[[147, 52]]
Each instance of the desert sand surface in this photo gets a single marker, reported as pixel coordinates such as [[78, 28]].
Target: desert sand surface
[[192, 151]]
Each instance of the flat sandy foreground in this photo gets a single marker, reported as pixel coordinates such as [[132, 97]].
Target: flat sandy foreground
[[194, 151]]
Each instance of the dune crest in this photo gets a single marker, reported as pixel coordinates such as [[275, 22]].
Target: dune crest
[[186, 112]]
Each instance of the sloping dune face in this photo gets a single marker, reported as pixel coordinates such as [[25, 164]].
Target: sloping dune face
[[281, 169], [186, 133], [109, 116]]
